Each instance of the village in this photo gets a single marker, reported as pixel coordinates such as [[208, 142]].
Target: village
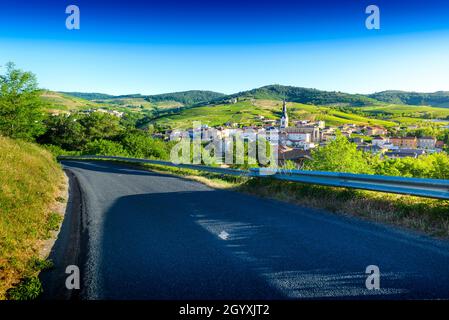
[[297, 138]]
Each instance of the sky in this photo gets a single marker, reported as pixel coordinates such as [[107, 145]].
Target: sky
[[151, 47]]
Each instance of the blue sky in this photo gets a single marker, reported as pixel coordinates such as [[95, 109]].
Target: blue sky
[[153, 47]]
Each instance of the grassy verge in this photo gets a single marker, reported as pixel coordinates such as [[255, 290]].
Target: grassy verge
[[430, 216], [30, 181]]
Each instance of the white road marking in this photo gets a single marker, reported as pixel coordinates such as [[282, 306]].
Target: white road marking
[[223, 235]]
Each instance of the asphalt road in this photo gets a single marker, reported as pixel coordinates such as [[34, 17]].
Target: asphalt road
[[152, 236]]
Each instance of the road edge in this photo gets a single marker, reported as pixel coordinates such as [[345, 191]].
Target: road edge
[[67, 248]]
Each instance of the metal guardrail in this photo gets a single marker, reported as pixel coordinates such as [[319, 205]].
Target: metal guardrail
[[429, 188]]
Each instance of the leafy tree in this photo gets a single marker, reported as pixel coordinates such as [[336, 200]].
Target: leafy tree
[[100, 126], [74, 131], [20, 104], [141, 145], [339, 155], [65, 132], [427, 166]]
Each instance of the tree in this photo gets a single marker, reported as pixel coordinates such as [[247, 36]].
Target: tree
[[74, 131], [100, 126], [339, 155], [20, 104], [141, 145], [65, 132], [105, 148]]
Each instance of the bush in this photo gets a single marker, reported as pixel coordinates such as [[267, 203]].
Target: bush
[[27, 289], [105, 148], [427, 166], [140, 145], [340, 155]]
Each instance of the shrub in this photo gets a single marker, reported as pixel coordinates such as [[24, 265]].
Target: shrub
[[105, 148], [27, 289], [141, 145]]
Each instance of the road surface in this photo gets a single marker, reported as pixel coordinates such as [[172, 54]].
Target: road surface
[[145, 235]]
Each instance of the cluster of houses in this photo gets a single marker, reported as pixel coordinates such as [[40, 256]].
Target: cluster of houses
[[399, 147], [114, 113], [296, 139]]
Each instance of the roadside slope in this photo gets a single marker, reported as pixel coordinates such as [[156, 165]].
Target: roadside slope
[[30, 180]]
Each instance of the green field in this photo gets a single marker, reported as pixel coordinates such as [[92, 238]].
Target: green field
[[248, 112], [56, 101], [139, 104], [395, 110]]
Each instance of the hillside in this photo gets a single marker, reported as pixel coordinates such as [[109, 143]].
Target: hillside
[[88, 95], [275, 92], [29, 183], [175, 109], [185, 98], [436, 99], [305, 95], [250, 111], [401, 112], [59, 102]]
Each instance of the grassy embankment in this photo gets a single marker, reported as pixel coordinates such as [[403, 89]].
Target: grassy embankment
[[30, 184], [429, 216]]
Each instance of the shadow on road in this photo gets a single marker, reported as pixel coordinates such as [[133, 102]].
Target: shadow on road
[[212, 245]]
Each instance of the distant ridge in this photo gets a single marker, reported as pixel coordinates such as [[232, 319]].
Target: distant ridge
[[187, 98], [435, 99], [88, 96], [289, 93], [306, 95]]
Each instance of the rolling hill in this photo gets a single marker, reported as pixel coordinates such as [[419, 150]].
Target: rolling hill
[[185, 98], [180, 109], [250, 111], [58, 102], [304, 95], [88, 95], [435, 99]]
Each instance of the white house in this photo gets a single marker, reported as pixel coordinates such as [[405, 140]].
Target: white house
[[380, 141], [427, 142]]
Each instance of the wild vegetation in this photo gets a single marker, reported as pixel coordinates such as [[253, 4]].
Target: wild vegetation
[[30, 181]]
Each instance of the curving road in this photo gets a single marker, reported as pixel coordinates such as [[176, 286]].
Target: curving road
[[145, 235]]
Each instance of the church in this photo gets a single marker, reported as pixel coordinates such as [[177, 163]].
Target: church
[[299, 136], [284, 117]]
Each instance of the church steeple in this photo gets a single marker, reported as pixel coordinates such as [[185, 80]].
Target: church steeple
[[284, 118]]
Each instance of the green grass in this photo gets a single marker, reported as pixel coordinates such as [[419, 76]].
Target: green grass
[[29, 184]]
